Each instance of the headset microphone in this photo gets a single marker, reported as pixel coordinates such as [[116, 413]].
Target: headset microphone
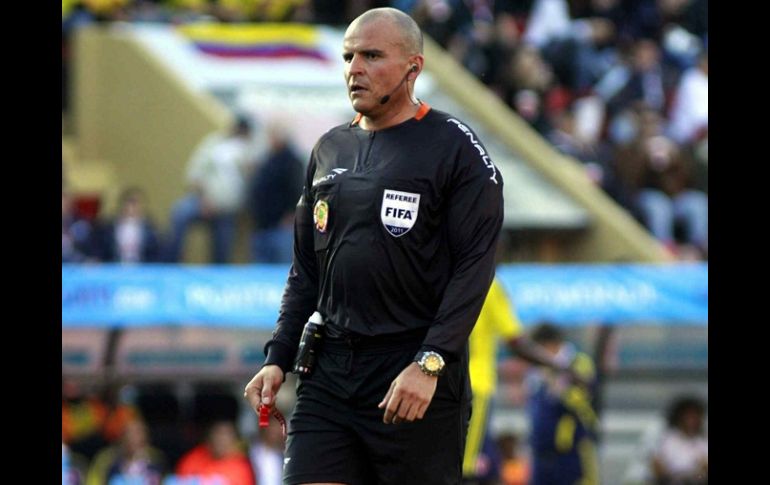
[[386, 98]]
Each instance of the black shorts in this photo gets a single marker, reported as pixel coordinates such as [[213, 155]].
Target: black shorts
[[336, 433]]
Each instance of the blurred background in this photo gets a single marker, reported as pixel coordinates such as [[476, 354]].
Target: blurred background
[[186, 129]]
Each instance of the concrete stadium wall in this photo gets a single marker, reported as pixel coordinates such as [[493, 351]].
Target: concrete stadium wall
[[132, 113]]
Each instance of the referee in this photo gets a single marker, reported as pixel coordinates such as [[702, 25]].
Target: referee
[[394, 246]]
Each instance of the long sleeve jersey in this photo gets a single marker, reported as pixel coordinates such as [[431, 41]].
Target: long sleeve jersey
[[396, 230]]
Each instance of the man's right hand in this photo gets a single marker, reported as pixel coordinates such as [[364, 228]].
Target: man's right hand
[[263, 388]]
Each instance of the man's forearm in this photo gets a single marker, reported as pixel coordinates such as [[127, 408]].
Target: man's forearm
[[534, 353]]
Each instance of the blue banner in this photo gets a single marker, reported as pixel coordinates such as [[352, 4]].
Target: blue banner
[[112, 295], [616, 294], [172, 294]]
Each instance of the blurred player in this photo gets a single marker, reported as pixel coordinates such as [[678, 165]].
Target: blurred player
[[497, 321], [564, 424]]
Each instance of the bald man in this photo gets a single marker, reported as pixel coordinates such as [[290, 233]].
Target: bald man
[[394, 243]]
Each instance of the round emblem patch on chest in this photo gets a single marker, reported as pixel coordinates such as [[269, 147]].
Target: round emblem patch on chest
[[321, 215]]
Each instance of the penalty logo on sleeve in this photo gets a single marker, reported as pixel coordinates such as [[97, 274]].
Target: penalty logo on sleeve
[[399, 211]]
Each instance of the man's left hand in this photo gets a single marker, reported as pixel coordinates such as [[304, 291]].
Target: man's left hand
[[409, 395]]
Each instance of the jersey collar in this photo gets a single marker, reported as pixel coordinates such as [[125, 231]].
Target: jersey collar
[[424, 108]]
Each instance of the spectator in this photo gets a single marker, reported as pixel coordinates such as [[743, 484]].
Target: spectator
[[689, 120], [681, 457], [700, 153], [530, 71], [280, 10], [92, 420], [219, 457], [644, 78], [690, 110], [82, 416], [467, 29], [659, 19], [475, 45], [162, 410], [130, 238], [108, 10], [274, 192], [528, 82], [506, 21], [696, 18], [657, 177], [217, 178], [614, 11], [120, 410], [639, 469], [132, 460], [150, 11], [77, 233], [187, 11], [515, 469], [335, 12], [266, 454], [578, 49], [564, 424], [72, 466], [595, 155], [442, 20]]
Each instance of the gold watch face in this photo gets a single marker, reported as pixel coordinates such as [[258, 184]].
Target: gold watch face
[[433, 363]]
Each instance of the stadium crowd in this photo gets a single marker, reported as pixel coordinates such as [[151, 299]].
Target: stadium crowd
[[117, 435], [226, 175], [150, 433], [620, 85]]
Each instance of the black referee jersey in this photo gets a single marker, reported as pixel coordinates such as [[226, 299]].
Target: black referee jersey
[[395, 230]]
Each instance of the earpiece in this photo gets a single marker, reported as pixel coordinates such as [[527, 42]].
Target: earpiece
[[386, 98]]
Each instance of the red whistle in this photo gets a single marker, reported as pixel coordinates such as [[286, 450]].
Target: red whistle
[[264, 416]]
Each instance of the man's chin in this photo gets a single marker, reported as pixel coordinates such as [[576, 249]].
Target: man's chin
[[362, 106]]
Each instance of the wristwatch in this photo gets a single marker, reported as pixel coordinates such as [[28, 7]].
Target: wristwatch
[[431, 363]]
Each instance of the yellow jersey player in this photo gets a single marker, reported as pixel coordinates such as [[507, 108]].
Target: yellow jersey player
[[497, 322]]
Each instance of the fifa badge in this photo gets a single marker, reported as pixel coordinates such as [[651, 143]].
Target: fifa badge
[[399, 211]]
